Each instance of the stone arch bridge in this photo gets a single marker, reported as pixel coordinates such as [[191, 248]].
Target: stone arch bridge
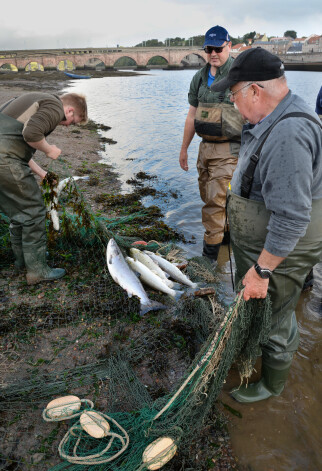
[[91, 58]]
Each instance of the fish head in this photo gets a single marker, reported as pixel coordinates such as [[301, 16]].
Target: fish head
[[134, 252], [112, 250], [129, 260]]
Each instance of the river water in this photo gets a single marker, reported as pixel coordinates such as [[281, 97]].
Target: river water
[[147, 114]]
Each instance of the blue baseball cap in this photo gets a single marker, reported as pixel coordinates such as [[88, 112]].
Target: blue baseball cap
[[216, 36]]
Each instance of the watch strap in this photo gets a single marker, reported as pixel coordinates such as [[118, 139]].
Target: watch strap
[[263, 272]]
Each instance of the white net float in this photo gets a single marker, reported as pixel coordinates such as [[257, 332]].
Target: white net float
[[63, 407], [94, 424], [159, 452]]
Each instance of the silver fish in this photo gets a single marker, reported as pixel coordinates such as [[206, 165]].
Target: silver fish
[[152, 279], [126, 278], [171, 269], [148, 262]]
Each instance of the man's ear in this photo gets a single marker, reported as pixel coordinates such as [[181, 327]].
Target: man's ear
[[255, 92], [68, 110]]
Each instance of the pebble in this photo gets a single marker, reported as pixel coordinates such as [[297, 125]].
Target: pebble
[[37, 457]]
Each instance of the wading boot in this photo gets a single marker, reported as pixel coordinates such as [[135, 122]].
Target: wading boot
[[37, 268], [211, 251], [19, 264], [16, 245], [226, 239], [271, 384]]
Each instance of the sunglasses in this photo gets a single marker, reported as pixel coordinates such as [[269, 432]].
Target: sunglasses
[[210, 49]]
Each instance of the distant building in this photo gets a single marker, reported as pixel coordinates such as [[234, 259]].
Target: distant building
[[260, 37], [298, 41], [275, 47], [277, 39], [296, 48], [244, 48], [237, 47], [312, 44]]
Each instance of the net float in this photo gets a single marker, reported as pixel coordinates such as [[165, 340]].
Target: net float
[[94, 424], [159, 452], [63, 407], [140, 242]]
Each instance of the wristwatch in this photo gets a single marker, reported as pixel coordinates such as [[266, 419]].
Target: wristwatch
[[263, 272]]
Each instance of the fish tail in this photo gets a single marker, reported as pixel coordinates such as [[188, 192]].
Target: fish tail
[[152, 306], [178, 294], [194, 285]]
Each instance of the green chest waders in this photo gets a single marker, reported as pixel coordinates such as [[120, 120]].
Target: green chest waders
[[22, 202], [248, 220], [20, 196]]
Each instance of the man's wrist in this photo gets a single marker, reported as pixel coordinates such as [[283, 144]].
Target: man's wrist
[[264, 273]]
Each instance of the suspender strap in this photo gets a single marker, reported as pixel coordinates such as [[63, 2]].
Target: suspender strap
[[221, 96], [248, 175], [3, 107]]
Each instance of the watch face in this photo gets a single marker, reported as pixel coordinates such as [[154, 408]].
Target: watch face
[[263, 272]]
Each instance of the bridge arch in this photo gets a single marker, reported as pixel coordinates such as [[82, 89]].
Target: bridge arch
[[125, 61], [7, 66], [66, 64], [157, 60], [33, 66], [95, 63], [193, 60]]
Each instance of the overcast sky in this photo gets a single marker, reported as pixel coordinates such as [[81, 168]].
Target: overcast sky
[[36, 24]]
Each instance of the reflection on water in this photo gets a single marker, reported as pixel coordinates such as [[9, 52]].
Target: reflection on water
[[147, 115]]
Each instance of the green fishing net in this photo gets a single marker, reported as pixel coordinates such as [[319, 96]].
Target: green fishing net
[[148, 378]]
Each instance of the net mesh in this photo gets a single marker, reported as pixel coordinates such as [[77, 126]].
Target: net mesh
[[150, 377]]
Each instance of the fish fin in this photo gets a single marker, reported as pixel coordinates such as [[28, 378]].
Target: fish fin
[[152, 306]]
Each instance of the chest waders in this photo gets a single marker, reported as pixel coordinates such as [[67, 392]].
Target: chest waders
[[248, 221], [248, 229], [220, 125], [22, 202]]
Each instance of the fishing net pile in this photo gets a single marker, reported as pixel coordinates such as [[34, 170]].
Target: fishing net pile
[[135, 379]]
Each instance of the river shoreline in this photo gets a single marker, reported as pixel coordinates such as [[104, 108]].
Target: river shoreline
[[81, 147]]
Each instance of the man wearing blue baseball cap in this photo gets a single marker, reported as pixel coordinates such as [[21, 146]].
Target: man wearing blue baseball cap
[[213, 117]]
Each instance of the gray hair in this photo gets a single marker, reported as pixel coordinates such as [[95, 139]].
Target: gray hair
[[270, 86]]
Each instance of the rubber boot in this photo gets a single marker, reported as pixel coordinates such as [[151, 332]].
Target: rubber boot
[[211, 251], [16, 245], [308, 282], [226, 239], [19, 264], [37, 268], [271, 383]]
